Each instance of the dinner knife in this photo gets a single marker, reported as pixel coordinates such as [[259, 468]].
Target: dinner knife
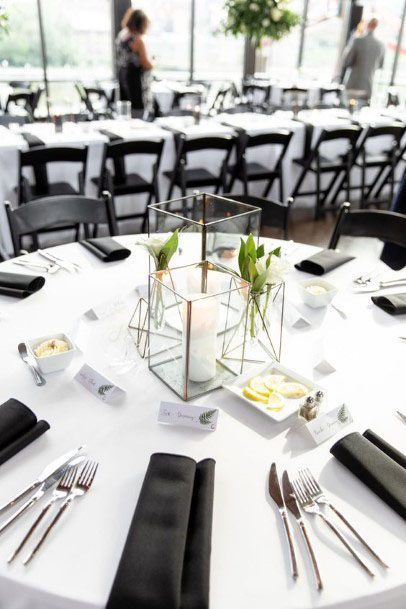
[[275, 492], [54, 260], [292, 505], [47, 472], [381, 285]]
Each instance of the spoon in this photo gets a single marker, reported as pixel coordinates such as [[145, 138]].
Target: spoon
[[39, 379]]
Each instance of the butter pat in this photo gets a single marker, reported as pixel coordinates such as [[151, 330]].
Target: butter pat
[[51, 347], [316, 289]]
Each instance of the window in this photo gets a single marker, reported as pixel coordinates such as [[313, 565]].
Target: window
[[216, 55], [168, 37], [20, 50], [322, 39]]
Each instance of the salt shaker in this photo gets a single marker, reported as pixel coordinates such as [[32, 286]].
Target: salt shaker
[[310, 407]]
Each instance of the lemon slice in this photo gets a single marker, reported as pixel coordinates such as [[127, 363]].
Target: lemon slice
[[293, 390], [275, 402], [272, 381], [257, 385], [253, 395]]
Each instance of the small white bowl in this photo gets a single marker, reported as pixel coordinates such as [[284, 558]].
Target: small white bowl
[[52, 363], [317, 300]]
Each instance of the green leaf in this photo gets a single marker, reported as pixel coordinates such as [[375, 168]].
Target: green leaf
[[252, 269], [259, 282], [250, 247], [277, 251], [242, 256], [205, 417], [261, 251], [168, 250]]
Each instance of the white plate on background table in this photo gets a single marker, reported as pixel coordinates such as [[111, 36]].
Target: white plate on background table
[[291, 404]]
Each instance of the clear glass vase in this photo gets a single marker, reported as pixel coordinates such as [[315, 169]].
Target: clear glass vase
[[259, 313]]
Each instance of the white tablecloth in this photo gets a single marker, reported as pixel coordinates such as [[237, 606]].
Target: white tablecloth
[[249, 561]]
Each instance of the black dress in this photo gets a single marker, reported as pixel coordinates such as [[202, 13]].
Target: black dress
[[134, 81]]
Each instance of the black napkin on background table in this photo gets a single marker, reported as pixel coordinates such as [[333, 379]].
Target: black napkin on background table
[[383, 475], [18, 428], [394, 304], [166, 558], [106, 248], [112, 137], [32, 140], [323, 262], [385, 447], [20, 285]]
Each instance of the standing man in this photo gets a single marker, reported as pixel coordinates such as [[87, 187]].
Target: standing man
[[362, 57]]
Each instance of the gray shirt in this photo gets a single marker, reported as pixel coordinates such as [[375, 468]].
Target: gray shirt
[[361, 58]]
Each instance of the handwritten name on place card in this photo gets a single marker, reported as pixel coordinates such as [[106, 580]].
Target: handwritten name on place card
[[98, 384], [189, 415], [328, 424]]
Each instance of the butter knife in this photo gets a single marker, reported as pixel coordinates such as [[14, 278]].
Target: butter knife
[[291, 504], [46, 473], [275, 493]]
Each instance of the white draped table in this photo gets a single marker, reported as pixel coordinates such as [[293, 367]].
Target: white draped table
[[249, 567]]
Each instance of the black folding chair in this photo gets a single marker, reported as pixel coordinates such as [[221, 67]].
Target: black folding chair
[[317, 164], [257, 94], [27, 100], [51, 212], [120, 183], [274, 214], [38, 159], [384, 163], [388, 226], [184, 178], [246, 171], [327, 92], [295, 98]]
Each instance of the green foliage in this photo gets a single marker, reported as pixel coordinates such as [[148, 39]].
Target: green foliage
[[168, 249], [252, 268], [258, 19], [4, 25]]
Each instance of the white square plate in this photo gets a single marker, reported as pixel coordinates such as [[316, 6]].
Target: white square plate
[[291, 405]]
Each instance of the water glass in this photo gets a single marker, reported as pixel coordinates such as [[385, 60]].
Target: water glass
[[123, 110]]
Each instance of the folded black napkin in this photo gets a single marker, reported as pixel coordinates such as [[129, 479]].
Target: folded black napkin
[[385, 447], [106, 248], [19, 285], [375, 468], [166, 559], [18, 428], [112, 137], [394, 304], [323, 262], [32, 140]]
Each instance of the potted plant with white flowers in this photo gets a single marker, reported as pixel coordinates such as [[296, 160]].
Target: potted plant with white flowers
[[259, 19]]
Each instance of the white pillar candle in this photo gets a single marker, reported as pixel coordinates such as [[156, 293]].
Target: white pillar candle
[[215, 281], [203, 337]]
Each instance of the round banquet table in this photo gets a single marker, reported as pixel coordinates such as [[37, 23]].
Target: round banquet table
[[249, 567]]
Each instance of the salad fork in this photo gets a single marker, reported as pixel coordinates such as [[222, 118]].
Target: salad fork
[[63, 488], [310, 506], [314, 490], [82, 485]]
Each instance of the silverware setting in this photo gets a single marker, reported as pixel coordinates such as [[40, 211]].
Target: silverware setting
[[44, 268], [304, 494], [63, 476], [67, 265], [372, 286], [30, 361], [366, 277]]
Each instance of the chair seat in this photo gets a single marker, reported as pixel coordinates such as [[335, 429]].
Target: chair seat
[[54, 189], [325, 164], [255, 171], [199, 176], [133, 183], [375, 160]]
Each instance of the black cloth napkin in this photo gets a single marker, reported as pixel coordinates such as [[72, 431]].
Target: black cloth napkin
[[394, 304], [166, 559], [106, 248], [18, 428], [385, 447], [382, 474], [32, 140], [19, 285], [323, 262], [112, 137]]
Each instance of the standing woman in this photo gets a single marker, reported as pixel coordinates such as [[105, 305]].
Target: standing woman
[[134, 66]]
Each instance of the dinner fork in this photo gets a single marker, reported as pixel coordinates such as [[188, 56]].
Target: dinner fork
[[63, 488], [314, 490], [82, 485], [46, 268], [310, 506]]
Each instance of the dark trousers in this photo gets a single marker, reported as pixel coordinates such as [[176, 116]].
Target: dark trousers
[[395, 255], [130, 81]]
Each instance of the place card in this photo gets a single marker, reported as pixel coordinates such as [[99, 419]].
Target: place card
[[294, 318], [322, 360], [188, 415], [98, 384], [104, 309], [328, 424]]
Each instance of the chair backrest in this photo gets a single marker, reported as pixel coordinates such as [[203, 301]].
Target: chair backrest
[[49, 212], [39, 157], [22, 99], [274, 213], [350, 133], [388, 226], [223, 142], [279, 137], [84, 97], [257, 93], [117, 151], [327, 91], [395, 130]]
